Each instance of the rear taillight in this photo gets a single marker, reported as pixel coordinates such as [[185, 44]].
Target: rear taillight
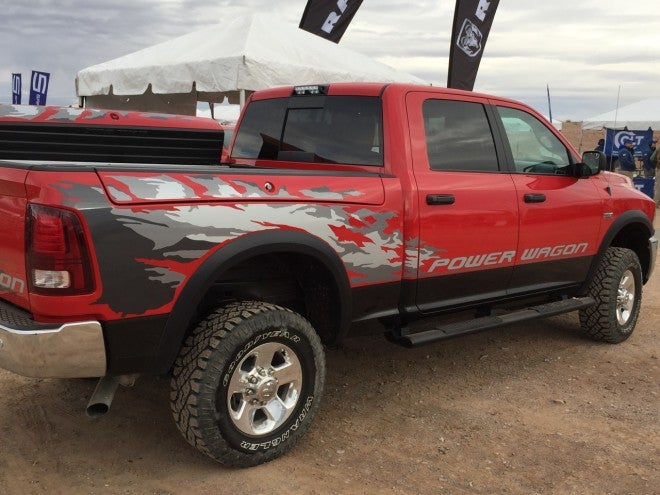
[[57, 255]]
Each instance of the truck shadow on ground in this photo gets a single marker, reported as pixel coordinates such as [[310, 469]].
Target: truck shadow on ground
[[367, 368]]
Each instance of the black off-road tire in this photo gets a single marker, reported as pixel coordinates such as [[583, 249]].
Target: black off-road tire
[[226, 352], [617, 289]]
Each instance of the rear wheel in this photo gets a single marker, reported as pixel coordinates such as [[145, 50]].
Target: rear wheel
[[617, 289], [248, 382]]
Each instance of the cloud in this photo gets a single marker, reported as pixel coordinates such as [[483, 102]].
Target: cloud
[[584, 50]]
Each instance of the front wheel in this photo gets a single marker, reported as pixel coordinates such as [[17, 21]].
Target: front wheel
[[617, 289], [248, 382]]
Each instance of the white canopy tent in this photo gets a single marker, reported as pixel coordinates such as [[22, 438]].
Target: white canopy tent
[[225, 60], [640, 116]]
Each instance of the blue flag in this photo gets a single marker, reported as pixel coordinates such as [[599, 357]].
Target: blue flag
[[16, 89], [39, 87]]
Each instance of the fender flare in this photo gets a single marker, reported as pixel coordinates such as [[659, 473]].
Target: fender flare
[[233, 253], [625, 219]]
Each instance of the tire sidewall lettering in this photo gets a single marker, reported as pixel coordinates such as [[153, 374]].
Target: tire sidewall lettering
[[274, 334], [285, 435]]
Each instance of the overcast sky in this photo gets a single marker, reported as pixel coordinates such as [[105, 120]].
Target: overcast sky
[[585, 50]]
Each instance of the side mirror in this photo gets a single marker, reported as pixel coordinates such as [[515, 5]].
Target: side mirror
[[592, 163]]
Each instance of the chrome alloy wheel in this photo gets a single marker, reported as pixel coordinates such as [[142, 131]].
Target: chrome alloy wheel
[[264, 388], [625, 299]]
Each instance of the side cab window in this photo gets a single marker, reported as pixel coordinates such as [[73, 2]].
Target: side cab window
[[458, 136], [534, 147]]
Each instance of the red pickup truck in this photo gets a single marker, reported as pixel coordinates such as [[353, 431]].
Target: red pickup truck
[[129, 249]]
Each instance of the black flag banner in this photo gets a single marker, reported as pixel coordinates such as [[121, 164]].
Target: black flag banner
[[329, 18], [472, 22]]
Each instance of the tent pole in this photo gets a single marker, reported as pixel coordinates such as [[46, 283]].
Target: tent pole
[[616, 112], [212, 107], [581, 136], [616, 115], [242, 98]]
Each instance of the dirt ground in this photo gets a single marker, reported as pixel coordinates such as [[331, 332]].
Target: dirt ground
[[526, 409]]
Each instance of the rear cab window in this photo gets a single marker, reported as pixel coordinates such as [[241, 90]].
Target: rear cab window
[[458, 136], [320, 129]]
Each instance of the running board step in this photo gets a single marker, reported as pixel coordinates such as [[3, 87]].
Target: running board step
[[486, 322]]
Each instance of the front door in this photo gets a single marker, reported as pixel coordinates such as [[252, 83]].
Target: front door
[[560, 214]]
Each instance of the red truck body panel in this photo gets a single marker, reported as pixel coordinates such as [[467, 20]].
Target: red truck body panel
[[170, 210]]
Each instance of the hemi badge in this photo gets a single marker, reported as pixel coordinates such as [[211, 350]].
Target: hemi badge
[[608, 214]]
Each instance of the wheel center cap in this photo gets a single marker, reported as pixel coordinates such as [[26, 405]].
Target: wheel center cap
[[267, 389]]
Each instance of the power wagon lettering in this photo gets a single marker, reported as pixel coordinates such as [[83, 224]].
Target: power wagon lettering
[[504, 257], [553, 252], [474, 261]]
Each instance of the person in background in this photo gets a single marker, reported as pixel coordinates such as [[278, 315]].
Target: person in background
[[627, 160], [649, 166], [600, 146]]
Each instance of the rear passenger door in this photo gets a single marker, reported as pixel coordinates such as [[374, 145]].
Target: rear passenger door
[[466, 229], [560, 214]]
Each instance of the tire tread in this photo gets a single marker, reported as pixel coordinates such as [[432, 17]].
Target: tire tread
[[599, 321]]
